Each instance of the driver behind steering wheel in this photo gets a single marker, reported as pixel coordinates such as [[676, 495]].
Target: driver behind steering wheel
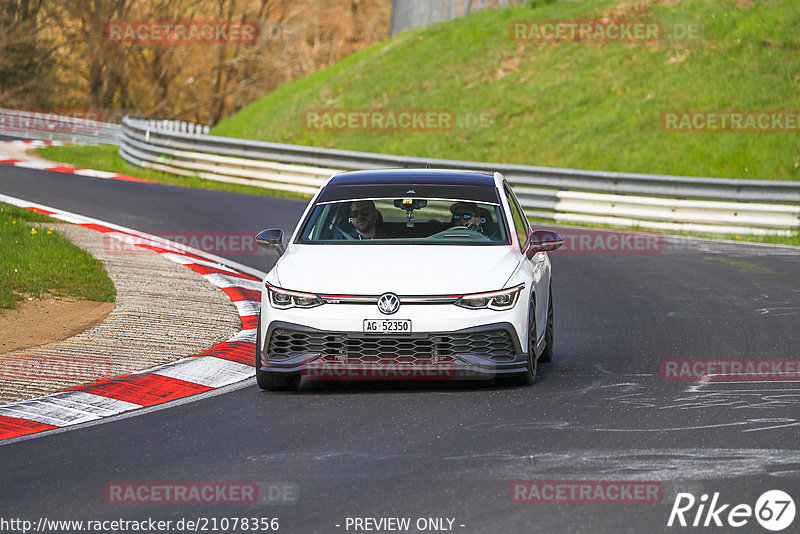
[[366, 221]]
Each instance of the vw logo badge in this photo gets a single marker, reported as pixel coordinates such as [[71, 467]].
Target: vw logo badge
[[388, 303]]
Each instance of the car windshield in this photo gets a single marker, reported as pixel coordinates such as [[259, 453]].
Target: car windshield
[[405, 221]]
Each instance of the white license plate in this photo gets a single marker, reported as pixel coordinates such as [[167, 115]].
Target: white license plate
[[387, 326]]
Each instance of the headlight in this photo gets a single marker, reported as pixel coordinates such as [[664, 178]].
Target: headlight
[[505, 299], [284, 299]]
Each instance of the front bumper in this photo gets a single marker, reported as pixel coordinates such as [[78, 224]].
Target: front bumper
[[480, 352]]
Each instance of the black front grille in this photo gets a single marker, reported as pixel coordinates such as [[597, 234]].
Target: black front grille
[[494, 344]]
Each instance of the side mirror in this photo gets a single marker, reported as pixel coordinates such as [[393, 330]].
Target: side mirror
[[542, 241], [271, 240]]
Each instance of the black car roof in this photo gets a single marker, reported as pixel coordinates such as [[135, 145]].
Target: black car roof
[[414, 176], [410, 183]]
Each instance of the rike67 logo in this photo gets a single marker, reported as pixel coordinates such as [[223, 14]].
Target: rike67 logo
[[774, 510]]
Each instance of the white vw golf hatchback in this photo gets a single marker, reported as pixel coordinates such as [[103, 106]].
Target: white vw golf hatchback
[[407, 274]]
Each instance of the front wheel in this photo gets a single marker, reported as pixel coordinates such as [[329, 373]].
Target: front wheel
[[529, 376], [273, 381], [547, 353]]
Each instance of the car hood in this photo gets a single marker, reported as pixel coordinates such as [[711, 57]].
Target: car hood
[[400, 269]]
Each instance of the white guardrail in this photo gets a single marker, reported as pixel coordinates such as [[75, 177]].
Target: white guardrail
[[71, 127], [712, 205]]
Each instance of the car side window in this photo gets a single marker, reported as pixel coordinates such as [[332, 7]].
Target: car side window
[[520, 223]]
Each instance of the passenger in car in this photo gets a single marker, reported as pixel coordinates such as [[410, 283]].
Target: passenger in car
[[469, 215]]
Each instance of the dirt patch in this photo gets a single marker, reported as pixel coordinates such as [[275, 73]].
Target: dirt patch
[[36, 322]]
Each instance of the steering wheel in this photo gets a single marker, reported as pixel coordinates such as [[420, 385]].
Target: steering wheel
[[345, 234]]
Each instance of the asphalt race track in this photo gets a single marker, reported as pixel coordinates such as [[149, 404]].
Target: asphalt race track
[[599, 411]]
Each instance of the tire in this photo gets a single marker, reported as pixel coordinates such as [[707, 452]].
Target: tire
[[529, 376], [273, 381], [547, 353]]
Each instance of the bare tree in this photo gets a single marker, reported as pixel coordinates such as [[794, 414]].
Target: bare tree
[[26, 57], [198, 81]]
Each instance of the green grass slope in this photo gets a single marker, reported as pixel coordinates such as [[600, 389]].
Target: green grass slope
[[579, 105]]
